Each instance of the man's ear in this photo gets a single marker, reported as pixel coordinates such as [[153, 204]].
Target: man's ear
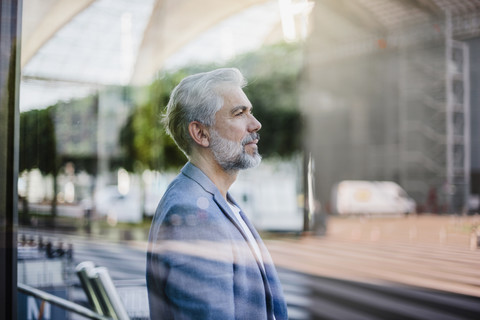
[[199, 133]]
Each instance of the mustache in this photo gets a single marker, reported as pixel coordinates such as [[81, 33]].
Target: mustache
[[252, 136]]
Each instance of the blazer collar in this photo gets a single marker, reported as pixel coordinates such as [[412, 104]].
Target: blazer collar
[[193, 172]]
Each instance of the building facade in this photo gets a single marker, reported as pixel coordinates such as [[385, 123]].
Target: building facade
[[395, 98]]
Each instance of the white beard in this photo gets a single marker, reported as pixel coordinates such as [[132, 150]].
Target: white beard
[[230, 155]]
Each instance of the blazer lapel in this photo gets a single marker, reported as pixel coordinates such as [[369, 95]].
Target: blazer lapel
[[268, 272], [196, 174]]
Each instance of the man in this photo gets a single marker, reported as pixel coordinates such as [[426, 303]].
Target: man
[[205, 260]]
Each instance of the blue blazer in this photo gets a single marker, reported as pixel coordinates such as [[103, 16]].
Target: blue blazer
[[199, 263]]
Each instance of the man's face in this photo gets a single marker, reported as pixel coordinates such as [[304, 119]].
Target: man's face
[[234, 137]]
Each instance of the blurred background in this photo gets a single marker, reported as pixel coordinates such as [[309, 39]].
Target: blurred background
[[370, 113]]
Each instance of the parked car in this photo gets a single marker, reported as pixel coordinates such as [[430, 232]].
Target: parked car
[[357, 197], [118, 207]]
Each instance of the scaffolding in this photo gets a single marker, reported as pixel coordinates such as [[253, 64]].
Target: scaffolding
[[457, 87], [422, 139]]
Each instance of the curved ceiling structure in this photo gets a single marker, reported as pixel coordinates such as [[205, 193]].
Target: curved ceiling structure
[[171, 24], [98, 42], [174, 23], [42, 19]]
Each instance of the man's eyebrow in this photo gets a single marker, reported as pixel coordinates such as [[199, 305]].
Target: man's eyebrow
[[235, 109]]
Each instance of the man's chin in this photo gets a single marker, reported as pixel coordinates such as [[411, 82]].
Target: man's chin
[[246, 162], [254, 160]]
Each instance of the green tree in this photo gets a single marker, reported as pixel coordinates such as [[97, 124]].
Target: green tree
[[275, 106], [143, 138], [272, 89], [273, 74], [37, 141], [38, 147]]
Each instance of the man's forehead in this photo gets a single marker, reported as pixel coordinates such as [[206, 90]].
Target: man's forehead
[[234, 97]]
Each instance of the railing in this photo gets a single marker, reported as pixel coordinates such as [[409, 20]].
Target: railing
[[99, 288], [60, 302]]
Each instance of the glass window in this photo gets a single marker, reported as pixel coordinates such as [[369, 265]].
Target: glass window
[[376, 99]]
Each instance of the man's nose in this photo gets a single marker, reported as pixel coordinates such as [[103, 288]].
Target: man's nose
[[255, 125]]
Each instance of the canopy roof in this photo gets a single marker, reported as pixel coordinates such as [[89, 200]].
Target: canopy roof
[[98, 42], [135, 36]]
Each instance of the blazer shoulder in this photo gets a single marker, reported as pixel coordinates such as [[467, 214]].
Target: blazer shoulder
[[185, 196], [184, 189], [187, 211]]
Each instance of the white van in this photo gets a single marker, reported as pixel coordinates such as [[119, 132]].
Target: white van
[[355, 197]]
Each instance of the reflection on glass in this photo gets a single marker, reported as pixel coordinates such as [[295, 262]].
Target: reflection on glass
[[366, 89]]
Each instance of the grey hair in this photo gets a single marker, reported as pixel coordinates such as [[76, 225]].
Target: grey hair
[[197, 98]]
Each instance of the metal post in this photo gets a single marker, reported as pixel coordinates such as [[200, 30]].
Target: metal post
[[82, 270], [466, 118], [10, 30], [101, 291], [60, 302], [449, 111], [108, 293]]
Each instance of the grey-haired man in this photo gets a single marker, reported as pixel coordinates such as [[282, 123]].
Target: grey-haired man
[[205, 259]]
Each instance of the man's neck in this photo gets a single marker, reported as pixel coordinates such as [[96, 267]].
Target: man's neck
[[221, 178]]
